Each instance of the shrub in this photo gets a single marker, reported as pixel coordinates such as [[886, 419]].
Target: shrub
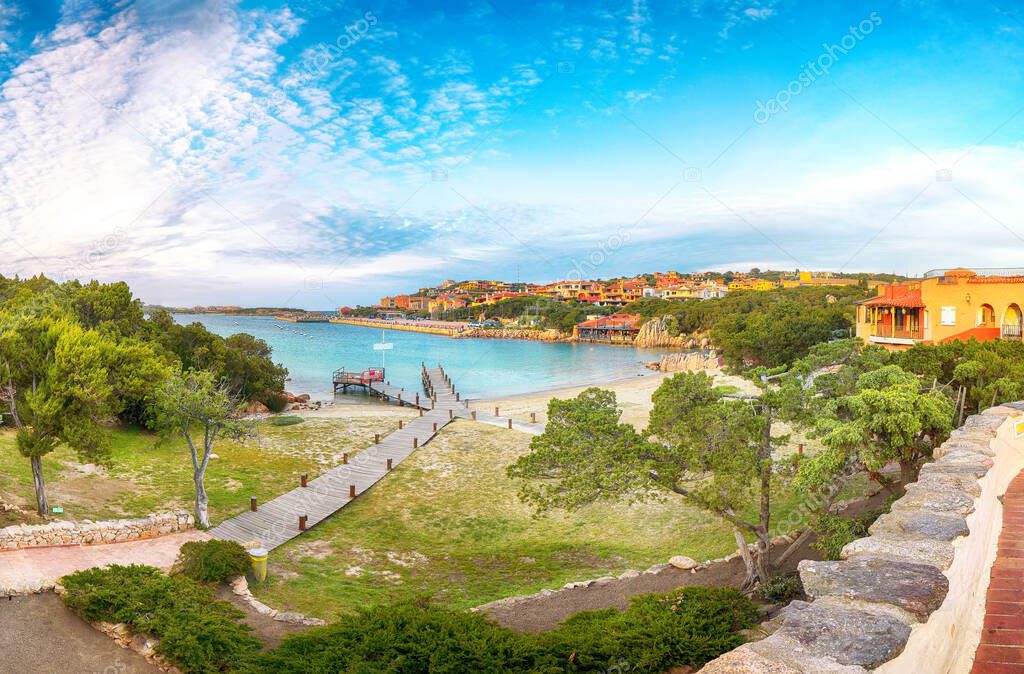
[[690, 626], [687, 627], [212, 561], [410, 636], [276, 401], [835, 531], [289, 420], [197, 632], [781, 587]]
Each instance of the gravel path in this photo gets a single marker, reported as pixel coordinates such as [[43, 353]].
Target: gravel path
[[39, 635]]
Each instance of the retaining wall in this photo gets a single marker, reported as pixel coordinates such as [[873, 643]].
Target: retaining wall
[[91, 533], [910, 597]]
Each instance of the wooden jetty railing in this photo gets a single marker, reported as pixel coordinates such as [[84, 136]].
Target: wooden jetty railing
[[279, 520]]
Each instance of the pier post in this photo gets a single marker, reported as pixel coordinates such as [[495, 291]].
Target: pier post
[[351, 491], [417, 400], [303, 478], [252, 503], [456, 397], [302, 522]]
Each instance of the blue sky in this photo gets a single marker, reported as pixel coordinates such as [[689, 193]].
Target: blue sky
[[314, 153]]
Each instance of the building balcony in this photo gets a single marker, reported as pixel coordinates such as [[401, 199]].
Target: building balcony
[[1010, 331], [887, 334]]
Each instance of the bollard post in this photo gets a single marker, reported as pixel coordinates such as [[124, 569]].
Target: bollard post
[[435, 427], [351, 491], [421, 412], [389, 465], [510, 424], [417, 400], [533, 417], [800, 448], [457, 397], [400, 424], [252, 503], [302, 522], [376, 438], [474, 415], [415, 443], [496, 412], [344, 457], [303, 479]]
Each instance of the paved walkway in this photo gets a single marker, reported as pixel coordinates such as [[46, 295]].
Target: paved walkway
[[38, 568], [1001, 650]]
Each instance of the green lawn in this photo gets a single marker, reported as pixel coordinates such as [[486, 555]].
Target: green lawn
[[143, 476], [448, 524]]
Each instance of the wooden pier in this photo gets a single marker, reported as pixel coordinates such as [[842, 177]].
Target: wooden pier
[[278, 521]]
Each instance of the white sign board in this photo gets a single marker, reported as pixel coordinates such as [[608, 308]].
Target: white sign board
[[383, 346]]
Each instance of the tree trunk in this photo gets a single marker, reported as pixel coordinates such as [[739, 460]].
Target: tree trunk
[[908, 474], [763, 557], [748, 561], [42, 506], [202, 514], [793, 547]]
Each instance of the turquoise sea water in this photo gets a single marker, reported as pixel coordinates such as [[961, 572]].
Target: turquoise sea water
[[480, 368]]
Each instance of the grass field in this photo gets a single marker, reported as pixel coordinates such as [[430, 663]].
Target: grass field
[[449, 525], [145, 476]]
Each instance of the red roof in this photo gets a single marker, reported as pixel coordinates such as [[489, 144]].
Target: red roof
[[620, 321], [896, 296]]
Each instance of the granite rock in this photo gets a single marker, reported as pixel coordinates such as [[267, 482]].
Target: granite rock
[[918, 589], [920, 523], [920, 551], [848, 635]]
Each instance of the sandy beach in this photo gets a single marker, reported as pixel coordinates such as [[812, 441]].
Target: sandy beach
[[633, 395]]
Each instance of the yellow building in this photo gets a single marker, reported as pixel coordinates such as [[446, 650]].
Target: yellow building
[[944, 305]]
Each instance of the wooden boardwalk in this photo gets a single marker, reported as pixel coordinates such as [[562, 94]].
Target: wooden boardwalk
[[278, 521]]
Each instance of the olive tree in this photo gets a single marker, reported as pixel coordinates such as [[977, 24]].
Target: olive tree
[[193, 406]]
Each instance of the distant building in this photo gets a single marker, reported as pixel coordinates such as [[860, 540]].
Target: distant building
[[945, 305], [614, 328]]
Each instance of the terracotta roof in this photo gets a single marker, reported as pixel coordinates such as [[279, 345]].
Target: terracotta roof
[[625, 321], [908, 301]]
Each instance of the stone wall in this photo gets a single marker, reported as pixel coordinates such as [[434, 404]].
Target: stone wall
[[909, 597], [91, 533]]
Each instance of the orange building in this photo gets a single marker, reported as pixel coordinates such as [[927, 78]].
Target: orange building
[[946, 304]]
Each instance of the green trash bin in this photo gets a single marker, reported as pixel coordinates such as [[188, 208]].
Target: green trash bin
[[259, 563]]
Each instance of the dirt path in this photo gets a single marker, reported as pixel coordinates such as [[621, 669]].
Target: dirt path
[[541, 613], [38, 634], [269, 631]]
